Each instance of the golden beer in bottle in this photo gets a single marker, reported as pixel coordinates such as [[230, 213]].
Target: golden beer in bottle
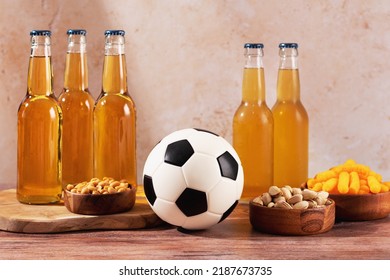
[[291, 137], [115, 116], [77, 107], [39, 129], [253, 127]]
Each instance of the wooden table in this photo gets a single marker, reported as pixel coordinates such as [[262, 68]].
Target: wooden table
[[234, 238]]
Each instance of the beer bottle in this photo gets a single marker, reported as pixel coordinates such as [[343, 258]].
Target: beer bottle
[[291, 122], [77, 107], [39, 129], [253, 127], [115, 116]]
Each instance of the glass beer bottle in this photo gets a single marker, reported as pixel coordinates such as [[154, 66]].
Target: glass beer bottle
[[77, 107], [39, 129], [253, 127], [291, 137], [115, 116]]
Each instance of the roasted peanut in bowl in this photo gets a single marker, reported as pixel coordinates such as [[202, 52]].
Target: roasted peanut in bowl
[[292, 211], [100, 197]]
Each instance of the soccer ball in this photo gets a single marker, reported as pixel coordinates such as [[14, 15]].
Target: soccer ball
[[193, 179]]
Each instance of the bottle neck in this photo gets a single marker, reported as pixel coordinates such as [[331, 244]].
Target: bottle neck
[[253, 86], [40, 74], [288, 84], [114, 66], [76, 69], [253, 89]]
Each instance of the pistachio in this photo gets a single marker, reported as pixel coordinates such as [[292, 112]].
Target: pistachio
[[295, 199], [289, 188], [258, 200], [274, 191], [283, 204], [266, 198], [279, 199], [312, 203], [271, 204], [286, 193], [296, 191], [321, 200], [323, 194], [287, 198], [309, 194], [301, 205]]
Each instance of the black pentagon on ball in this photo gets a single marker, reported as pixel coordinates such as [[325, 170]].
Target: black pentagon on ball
[[149, 189], [192, 202], [227, 212], [228, 166], [177, 153]]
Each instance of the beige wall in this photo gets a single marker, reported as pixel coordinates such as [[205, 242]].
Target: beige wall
[[185, 63]]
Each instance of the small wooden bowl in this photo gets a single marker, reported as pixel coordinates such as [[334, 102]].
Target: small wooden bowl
[[361, 207], [100, 204], [292, 221]]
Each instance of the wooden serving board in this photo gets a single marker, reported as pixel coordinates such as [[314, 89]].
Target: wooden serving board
[[18, 217]]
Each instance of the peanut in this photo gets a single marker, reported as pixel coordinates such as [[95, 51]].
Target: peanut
[[96, 186]]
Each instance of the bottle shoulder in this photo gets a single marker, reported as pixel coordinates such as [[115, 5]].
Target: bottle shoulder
[[290, 109], [253, 107], [117, 97], [247, 112], [115, 102], [40, 102], [75, 95]]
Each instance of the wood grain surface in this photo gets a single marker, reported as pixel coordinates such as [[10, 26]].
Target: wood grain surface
[[18, 217], [234, 238]]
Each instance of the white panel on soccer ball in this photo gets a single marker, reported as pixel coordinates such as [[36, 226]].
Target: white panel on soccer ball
[[168, 212], [207, 143], [169, 182], [154, 159], [201, 172], [222, 196], [240, 182], [201, 221]]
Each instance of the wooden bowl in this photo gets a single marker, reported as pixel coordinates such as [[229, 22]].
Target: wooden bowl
[[100, 204], [292, 221], [361, 207]]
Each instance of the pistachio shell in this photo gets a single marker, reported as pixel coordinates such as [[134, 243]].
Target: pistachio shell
[[286, 193], [266, 198], [309, 194], [283, 204], [301, 205], [296, 191], [258, 200], [274, 191], [295, 199], [279, 198]]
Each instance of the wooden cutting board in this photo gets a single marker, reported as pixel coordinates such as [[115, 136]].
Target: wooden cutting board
[[18, 217]]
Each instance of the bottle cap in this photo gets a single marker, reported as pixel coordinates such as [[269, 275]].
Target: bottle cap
[[254, 46], [40, 33], [288, 45], [76, 32], [114, 32]]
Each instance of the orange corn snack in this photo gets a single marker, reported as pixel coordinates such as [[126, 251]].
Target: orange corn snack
[[348, 178], [373, 183], [343, 183]]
